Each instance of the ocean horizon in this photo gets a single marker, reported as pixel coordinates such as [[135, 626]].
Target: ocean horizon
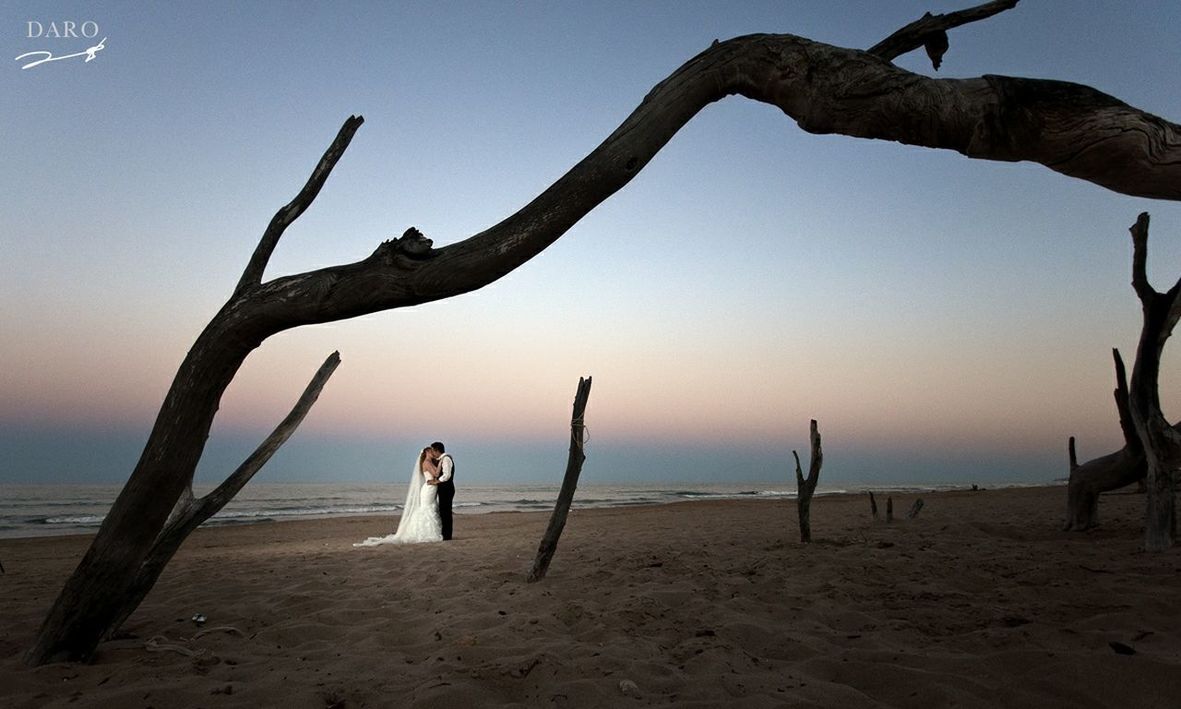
[[38, 510]]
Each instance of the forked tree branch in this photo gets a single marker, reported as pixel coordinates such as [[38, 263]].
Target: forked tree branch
[[816, 462], [283, 218], [921, 32], [806, 487], [191, 513], [1161, 442], [212, 503], [209, 505]]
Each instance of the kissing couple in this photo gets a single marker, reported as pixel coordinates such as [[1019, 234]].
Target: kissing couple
[[426, 516]]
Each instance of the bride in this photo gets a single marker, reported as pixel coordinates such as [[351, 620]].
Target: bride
[[420, 516]]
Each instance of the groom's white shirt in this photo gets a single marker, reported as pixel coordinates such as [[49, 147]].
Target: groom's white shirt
[[445, 467]]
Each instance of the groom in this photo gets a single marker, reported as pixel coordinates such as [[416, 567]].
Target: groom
[[446, 486]]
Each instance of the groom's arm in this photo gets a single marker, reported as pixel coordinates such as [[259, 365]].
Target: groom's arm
[[445, 466]]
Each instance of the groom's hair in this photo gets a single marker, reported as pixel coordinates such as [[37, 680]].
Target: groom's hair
[[439, 447]]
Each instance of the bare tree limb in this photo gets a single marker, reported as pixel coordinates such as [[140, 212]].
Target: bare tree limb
[[1140, 284], [211, 503], [1160, 441], [921, 32], [283, 218], [1131, 439]]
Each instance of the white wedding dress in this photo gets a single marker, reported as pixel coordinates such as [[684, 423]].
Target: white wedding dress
[[420, 516]]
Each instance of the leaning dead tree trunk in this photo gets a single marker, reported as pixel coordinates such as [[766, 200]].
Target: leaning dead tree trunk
[[1152, 447], [557, 521], [805, 487], [118, 562], [190, 512], [1160, 441], [1070, 128]]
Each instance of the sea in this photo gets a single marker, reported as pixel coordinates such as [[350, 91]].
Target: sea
[[51, 510]]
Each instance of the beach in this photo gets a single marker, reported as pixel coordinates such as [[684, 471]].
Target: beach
[[979, 601]]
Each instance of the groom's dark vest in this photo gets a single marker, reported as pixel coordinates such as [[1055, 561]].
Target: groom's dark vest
[[451, 480], [446, 495]]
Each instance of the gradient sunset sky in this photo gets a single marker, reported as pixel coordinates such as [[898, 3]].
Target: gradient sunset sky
[[944, 319]]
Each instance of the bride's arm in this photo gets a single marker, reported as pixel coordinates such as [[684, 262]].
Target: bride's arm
[[430, 471]]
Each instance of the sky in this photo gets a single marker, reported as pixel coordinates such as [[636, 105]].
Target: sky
[[944, 319]]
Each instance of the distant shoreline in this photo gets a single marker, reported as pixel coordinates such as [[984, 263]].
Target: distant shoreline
[[255, 507]]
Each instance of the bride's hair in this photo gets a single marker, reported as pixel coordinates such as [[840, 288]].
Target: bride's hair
[[421, 457]]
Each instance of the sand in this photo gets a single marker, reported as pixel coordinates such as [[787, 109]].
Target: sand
[[979, 602]]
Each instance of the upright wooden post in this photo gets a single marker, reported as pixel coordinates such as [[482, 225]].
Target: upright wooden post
[[557, 521], [805, 487]]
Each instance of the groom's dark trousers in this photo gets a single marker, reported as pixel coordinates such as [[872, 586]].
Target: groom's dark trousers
[[446, 495]]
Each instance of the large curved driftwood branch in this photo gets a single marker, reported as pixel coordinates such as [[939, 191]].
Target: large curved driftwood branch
[[1070, 128]]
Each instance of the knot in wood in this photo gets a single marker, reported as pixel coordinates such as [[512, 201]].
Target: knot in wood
[[412, 245]]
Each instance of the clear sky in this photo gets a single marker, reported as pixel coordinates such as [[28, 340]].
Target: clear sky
[[943, 318]]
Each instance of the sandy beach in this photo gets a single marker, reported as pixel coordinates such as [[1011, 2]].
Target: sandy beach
[[978, 602]]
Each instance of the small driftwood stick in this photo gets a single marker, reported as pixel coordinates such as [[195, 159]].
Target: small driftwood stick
[[873, 505], [805, 487], [930, 32], [889, 509], [915, 509], [557, 521]]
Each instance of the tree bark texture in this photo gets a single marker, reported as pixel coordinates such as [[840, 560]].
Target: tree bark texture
[[1160, 441], [805, 487], [1070, 128], [557, 521]]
